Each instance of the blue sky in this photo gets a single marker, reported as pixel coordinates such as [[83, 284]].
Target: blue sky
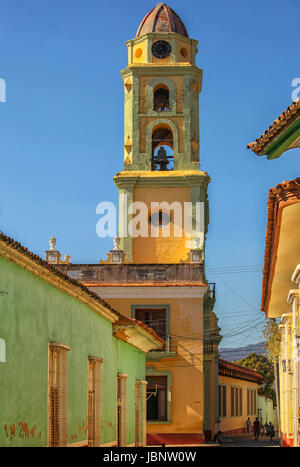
[[61, 129]]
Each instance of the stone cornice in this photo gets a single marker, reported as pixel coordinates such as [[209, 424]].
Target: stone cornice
[[164, 35], [153, 69], [151, 292], [174, 178]]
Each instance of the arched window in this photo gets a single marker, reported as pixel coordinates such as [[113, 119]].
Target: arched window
[[161, 98], [162, 148]]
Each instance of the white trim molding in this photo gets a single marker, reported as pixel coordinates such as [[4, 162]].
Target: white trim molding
[[150, 292]]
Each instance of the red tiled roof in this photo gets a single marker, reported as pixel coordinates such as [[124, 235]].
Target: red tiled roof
[[285, 119], [239, 370], [145, 284], [17, 246], [161, 19], [285, 193]]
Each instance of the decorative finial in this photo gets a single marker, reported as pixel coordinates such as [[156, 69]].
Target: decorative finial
[[117, 242], [197, 241], [67, 259], [52, 242]]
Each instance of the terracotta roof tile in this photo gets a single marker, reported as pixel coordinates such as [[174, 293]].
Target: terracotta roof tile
[[161, 19], [239, 369], [286, 118], [145, 284]]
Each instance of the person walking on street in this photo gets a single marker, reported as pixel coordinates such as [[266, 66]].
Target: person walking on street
[[271, 431], [266, 429], [256, 428], [248, 424]]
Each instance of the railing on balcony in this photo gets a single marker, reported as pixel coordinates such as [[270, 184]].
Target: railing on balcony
[[208, 348], [170, 345], [212, 289]]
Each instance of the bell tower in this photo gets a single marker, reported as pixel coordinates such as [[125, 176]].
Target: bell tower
[[161, 143], [155, 273]]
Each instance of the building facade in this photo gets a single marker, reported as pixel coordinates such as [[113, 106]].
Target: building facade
[[72, 370], [280, 297], [238, 397], [156, 271], [280, 289]]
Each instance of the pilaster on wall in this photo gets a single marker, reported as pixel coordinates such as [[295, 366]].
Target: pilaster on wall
[[207, 399], [125, 200], [211, 359], [141, 402], [122, 409], [293, 300]]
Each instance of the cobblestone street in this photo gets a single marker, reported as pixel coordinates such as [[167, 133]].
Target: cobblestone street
[[248, 441]]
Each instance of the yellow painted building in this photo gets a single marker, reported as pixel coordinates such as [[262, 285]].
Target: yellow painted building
[[280, 298], [156, 272], [238, 397], [281, 274]]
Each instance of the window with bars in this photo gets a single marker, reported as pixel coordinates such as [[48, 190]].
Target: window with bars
[[94, 420], [57, 395], [251, 401], [154, 318], [236, 401], [157, 390], [223, 400]]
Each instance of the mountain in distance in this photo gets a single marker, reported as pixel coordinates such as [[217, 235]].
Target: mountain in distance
[[238, 353]]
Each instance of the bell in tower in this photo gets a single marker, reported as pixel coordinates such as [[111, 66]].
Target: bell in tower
[[161, 132], [161, 159], [162, 85]]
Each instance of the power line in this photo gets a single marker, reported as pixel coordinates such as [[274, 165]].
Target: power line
[[232, 290], [237, 269]]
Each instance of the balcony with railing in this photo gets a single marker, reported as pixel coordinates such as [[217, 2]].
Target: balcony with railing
[[169, 350]]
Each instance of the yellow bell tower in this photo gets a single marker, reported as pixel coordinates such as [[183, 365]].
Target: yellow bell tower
[[168, 218], [155, 274]]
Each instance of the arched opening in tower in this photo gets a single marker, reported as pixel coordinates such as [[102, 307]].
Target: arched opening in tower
[[162, 148], [161, 98]]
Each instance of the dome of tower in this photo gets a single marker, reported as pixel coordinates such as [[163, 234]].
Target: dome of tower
[[162, 19]]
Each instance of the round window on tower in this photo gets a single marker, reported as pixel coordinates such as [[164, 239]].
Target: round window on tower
[[159, 219], [161, 49]]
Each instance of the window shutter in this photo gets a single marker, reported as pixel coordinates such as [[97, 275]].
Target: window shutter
[[162, 404], [224, 401], [54, 413], [57, 395]]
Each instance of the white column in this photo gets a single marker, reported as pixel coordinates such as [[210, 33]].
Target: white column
[[293, 299]]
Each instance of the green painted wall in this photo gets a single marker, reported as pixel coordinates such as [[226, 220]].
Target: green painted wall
[[32, 314]]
